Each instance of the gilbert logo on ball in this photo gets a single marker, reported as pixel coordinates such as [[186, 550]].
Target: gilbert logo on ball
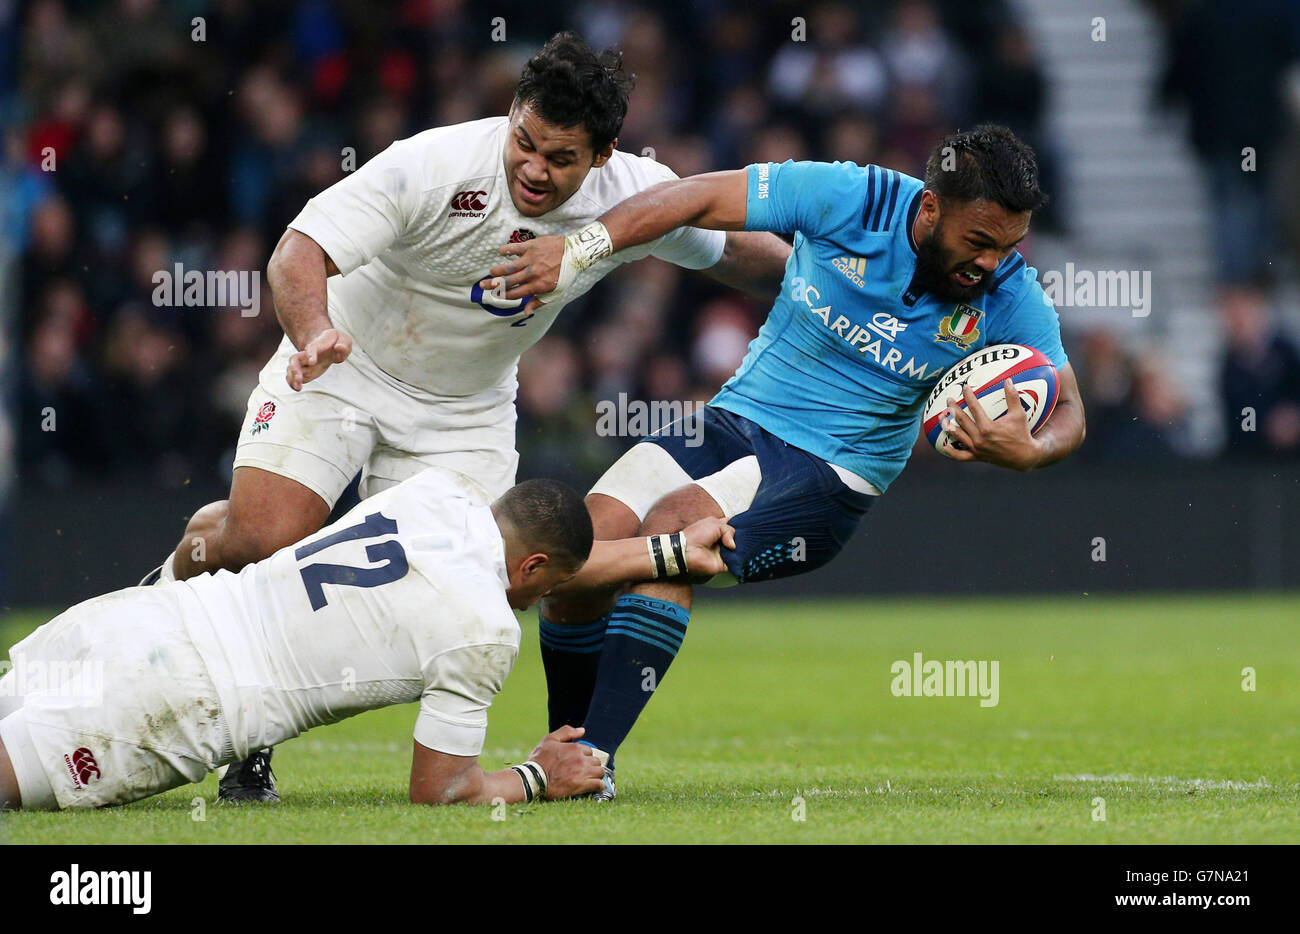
[[985, 371]]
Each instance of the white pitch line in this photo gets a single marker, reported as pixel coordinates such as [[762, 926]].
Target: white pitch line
[[1213, 783]]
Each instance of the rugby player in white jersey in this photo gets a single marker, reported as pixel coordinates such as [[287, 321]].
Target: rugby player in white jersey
[[406, 598], [385, 271]]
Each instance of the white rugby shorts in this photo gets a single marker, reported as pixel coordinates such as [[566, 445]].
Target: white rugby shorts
[[355, 417], [134, 714]]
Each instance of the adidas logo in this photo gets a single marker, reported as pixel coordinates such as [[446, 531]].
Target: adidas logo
[[854, 268]]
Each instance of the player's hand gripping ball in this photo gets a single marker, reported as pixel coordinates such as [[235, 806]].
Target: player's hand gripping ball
[[985, 371]]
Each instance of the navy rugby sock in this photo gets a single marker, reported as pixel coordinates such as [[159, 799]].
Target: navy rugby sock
[[570, 658], [642, 640]]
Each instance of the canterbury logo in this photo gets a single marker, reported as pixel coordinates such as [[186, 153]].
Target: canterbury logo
[[469, 202], [83, 766], [853, 267]]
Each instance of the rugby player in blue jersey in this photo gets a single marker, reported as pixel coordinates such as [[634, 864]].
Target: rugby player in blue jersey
[[891, 281]]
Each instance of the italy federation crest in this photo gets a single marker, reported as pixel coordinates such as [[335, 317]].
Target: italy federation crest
[[960, 327]]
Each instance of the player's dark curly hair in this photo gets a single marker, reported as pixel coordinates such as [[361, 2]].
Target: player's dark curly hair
[[570, 84], [550, 518], [988, 163]]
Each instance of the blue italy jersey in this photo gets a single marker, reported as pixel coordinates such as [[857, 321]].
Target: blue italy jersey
[[851, 349]]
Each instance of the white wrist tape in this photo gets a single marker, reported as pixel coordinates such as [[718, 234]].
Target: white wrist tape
[[534, 779], [583, 247], [667, 554]]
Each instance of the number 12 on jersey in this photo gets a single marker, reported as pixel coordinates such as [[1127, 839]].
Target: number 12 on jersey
[[314, 576]]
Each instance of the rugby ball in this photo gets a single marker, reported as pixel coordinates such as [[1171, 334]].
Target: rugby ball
[[984, 371]]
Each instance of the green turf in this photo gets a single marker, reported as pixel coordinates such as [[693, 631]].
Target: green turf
[[1138, 701]]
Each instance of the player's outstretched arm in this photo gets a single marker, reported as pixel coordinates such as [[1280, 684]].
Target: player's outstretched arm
[[546, 265], [1006, 441], [632, 560], [296, 273], [753, 261], [566, 769]]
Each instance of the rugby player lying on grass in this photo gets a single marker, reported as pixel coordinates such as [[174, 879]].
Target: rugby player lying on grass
[[409, 596], [892, 281]]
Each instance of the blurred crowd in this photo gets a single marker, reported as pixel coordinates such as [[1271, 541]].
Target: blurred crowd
[[137, 137]]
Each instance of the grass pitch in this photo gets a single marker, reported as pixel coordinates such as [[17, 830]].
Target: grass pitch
[[777, 725]]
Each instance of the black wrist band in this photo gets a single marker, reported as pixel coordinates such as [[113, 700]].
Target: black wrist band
[[679, 549], [657, 553]]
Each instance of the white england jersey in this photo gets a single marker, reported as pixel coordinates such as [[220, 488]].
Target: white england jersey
[[403, 599], [415, 230]]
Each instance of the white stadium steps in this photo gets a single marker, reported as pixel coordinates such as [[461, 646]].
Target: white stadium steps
[[1132, 191]]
